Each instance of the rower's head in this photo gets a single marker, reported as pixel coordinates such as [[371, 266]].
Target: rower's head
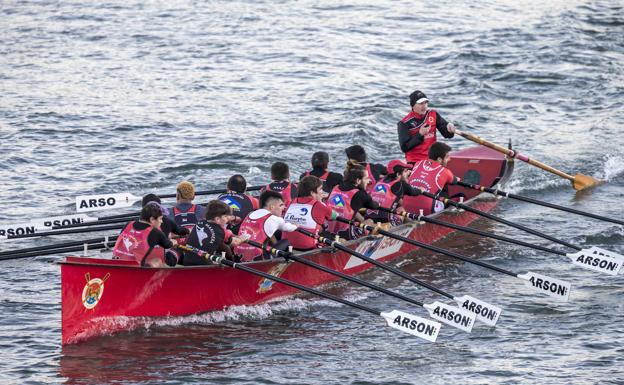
[[440, 152], [237, 184], [320, 159], [185, 192], [219, 212], [397, 169], [273, 202], [152, 213], [280, 171], [311, 186], [150, 198], [356, 174], [356, 152], [419, 102]]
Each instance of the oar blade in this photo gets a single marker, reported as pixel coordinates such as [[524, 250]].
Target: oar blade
[[451, 315], [43, 224], [414, 325], [85, 203], [483, 311], [552, 287], [581, 182], [597, 259]]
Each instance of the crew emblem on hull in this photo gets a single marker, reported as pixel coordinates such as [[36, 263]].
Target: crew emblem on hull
[[93, 291], [267, 284]]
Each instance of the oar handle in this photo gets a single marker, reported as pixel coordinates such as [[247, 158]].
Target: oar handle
[[271, 250], [513, 154]]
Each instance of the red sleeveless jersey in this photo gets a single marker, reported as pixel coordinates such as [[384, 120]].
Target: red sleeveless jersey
[[430, 176], [132, 245], [308, 214], [254, 228], [340, 202]]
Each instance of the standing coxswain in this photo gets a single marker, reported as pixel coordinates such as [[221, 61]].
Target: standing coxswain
[[417, 130]]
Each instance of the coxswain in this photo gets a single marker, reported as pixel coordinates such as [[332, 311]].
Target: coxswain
[[240, 202], [308, 212], [185, 213], [212, 236], [168, 225], [320, 169], [261, 226], [348, 198], [389, 193], [417, 130], [143, 241], [375, 171], [430, 175], [280, 176]]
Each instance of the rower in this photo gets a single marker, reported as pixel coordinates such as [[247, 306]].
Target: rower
[[417, 130], [185, 212], [389, 192], [430, 175], [308, 212], [348, 198], [320, 164], [168, 225], [143, 241], [261, 226], [240, 202], [280, 175], [212, 236], [375, 171]]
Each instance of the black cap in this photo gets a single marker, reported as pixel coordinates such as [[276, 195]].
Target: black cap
[[417, 97]]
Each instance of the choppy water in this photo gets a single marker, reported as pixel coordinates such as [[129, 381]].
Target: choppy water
[[111, 97]]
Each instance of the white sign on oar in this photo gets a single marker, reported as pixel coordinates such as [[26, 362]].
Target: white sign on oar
[[414, 325], [86, 203], [597, 259], [553, 287], [41, 224], [485, 312], [451, 315]]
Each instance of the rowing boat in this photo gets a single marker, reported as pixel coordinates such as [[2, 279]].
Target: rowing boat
[[101, 296]]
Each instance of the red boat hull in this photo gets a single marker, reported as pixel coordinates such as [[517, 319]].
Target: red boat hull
[[101, 296]]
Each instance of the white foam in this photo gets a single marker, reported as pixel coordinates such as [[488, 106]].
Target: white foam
[[613, 167], [237, 313]]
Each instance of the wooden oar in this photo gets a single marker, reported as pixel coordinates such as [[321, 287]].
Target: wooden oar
[[450, 315], [458, 299], [579, 181], [405, 322], [594, 258], [555, 288], [99, 202], [538, 202]]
